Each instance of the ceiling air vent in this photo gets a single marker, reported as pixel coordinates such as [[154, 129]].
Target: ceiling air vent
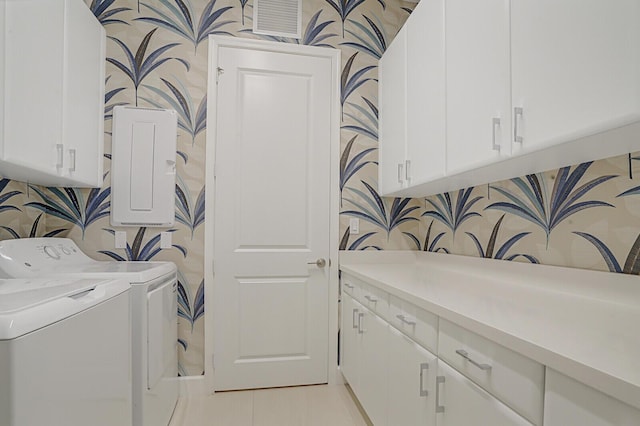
[[277, 17]]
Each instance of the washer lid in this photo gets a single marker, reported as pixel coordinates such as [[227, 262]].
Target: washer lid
[[48, 257], [134, 272], [27, 305]]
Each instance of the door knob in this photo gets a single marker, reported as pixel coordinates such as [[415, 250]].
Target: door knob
[[320, 263]]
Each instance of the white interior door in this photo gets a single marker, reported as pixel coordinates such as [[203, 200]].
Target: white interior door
[[271, 217]]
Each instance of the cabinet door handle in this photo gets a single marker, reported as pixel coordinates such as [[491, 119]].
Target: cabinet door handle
[[518, 114], [60, 152], [407, 169], [464, 354], [360, 318], [400, 177], [496, 123], [424, 366], [405, 320], [353, 317], [371, 299], [439, 380], [72, 159]]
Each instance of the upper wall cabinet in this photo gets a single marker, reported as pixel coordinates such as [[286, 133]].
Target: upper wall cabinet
[[52, 91], [478, 93], [412, 101], [575, 68], [392, 126], [531, 85]]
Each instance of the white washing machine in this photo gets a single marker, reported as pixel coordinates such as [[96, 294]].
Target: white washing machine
[[65, 355], [154, 313]]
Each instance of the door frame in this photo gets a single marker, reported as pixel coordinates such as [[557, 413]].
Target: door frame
[[215, 42]]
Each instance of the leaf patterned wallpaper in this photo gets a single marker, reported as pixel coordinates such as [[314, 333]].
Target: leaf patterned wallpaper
[[583, 216]]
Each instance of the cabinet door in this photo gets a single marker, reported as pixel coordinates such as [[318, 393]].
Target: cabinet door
[[392, 125], [478, 75], [462, 403], [568, 402], [83, 95], [426, 93], [349, 350], [373, 383], [33, 75], [412, 382], [575, 67]]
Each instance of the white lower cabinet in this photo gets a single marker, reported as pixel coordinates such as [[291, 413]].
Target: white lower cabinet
[[410, 367], [568, 402], [364, 357], [399, 382], [349, 348], [372, 383], [412, 382], [459, 401]]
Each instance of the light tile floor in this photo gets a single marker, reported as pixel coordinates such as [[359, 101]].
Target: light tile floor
[[321, 405]]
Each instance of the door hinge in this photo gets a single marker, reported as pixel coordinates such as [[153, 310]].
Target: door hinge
[[219, 72]]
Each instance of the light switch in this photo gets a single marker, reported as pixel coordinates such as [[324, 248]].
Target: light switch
[[121, 239], [165, 240], [354, 226]]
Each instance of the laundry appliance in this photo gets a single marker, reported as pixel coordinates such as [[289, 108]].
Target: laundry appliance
[[65, 354], [153, 313]]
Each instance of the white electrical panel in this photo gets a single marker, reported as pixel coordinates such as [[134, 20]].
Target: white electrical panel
[[143, 167]]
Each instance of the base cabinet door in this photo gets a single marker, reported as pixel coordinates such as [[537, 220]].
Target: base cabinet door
[[372, 381], [350, 345], [412, 382], [460, 402], [568, 402]]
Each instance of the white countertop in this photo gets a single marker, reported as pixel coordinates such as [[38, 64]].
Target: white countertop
[[585, 324]]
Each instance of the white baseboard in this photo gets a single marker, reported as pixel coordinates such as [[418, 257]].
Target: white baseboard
[[191, 386]]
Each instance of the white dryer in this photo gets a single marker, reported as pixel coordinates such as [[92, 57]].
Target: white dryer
[[65, 355], [154, 311]]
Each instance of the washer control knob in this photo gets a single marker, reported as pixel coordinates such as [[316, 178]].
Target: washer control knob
[[51, 252], [65, 250]]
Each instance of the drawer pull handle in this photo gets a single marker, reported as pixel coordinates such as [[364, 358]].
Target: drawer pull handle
[[405, 319], [464, 354], [424, 366], [347, 285], [371, 299], [360, 317], [439, 408], [353, 317]]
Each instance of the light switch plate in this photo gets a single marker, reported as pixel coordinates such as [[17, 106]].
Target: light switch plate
[[354, 226], [121, 239], [165, 240]]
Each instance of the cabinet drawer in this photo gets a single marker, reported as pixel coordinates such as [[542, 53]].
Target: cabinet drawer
[[420, 325], [375, 299], [349, 286], [511, 377]]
